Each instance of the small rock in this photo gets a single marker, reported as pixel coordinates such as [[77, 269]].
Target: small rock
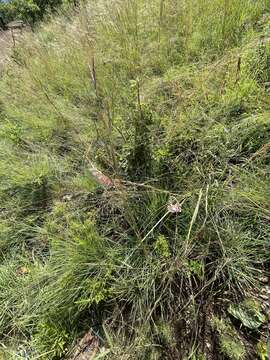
[[264, 279], [67, 198]]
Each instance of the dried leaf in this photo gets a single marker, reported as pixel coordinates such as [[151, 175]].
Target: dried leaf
[[87, 347]]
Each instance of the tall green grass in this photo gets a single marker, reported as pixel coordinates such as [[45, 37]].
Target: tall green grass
[[171, 99]]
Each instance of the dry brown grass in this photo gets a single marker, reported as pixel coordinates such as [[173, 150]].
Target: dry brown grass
[[7, 43]]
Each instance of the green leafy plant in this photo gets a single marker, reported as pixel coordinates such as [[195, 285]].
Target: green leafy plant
[[161, 246], [50, 340], [249, 313], [230, 343]]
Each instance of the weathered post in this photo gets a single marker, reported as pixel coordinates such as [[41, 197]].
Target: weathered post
[[15, 25]]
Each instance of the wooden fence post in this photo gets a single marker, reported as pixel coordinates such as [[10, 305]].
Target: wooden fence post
[[14, 25]]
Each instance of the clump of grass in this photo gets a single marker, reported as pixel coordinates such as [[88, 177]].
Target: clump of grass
[[231, 345]]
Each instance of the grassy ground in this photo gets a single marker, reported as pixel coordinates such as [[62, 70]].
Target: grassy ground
[[167, 257]]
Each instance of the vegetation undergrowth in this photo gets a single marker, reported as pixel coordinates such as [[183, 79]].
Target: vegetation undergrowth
[[29, 11], [135, 201]]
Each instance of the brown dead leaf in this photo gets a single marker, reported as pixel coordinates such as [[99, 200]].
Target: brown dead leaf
[[22, 270], [87, 348]]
